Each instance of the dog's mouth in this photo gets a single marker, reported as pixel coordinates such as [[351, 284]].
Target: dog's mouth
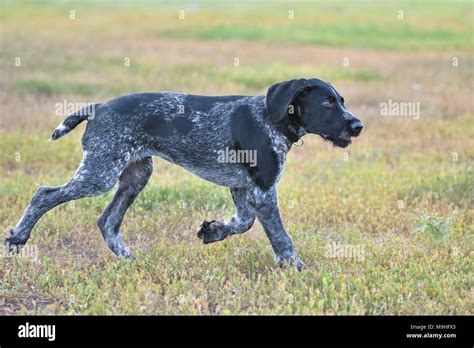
[[341, 140]]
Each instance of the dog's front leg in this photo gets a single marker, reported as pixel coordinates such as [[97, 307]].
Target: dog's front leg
[[265, 205], [241, 222]]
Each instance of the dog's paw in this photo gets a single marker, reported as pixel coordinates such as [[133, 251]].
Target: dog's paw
[[300, 265], [117, 246], [293, 261], [212, 231], [15, 242], [125, 254]]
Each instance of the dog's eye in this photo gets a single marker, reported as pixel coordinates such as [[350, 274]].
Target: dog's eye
[[329, 102]]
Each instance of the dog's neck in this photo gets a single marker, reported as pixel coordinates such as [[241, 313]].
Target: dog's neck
[[289, 131], [292, 128]]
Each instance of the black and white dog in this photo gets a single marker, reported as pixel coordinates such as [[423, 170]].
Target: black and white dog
[[123, 135]]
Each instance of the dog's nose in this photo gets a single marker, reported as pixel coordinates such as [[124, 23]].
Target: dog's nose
[[356, 127]]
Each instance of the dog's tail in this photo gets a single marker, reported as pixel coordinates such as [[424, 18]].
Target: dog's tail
[[70, 122]]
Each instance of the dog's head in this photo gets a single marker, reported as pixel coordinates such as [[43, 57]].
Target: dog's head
[[312, 106]]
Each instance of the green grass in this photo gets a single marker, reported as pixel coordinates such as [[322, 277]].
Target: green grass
[[251, 78], [364, 24], [401, 195], [393, 36], [45, 87]]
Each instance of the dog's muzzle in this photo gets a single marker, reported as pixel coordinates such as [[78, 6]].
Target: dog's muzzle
[[343, 139], [356, 127]]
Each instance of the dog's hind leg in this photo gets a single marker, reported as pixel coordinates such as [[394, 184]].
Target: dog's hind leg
[[131, 183], [95, 176], [241, 222]]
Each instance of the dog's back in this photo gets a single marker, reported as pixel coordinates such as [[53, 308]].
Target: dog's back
[[188, 130]]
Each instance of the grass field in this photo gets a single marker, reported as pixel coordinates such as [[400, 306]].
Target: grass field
[[401, 195]]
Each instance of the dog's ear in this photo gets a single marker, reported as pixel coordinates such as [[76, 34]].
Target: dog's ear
[[281, 95]]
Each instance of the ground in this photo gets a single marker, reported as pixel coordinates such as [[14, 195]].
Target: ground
[[385, 225]]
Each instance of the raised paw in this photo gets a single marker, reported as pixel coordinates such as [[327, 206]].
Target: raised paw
[[15, 242], [212, 231]]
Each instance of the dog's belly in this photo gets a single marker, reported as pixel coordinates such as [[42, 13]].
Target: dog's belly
[[224, 174]]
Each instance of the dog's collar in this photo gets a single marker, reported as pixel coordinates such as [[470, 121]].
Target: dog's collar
[[285, 129]]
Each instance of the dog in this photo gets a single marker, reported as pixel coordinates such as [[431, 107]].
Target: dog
[[123, 134]]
